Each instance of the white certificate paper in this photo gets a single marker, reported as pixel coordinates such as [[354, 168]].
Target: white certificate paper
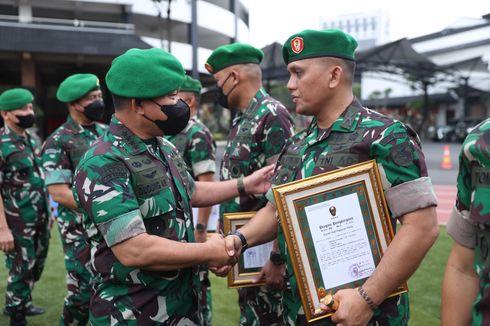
[[257, 256], [340, 240]]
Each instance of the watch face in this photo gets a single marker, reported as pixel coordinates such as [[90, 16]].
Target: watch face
[[200, 227], [276, 258]]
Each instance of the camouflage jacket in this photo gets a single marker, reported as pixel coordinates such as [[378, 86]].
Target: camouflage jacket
[[125, 187], [197, 146], [470, 220], [359, 135], [61, 153], [21, 177], [256, 138]]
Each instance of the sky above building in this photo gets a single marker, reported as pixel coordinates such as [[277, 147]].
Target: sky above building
[[275, 20]]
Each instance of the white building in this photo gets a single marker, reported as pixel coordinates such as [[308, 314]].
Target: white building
[[463, 51], [43, 41], [369, 29]]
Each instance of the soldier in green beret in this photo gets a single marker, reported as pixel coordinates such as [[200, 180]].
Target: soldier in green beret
[[466, 285], [258, 133], [343, 132], [62, 151], [24, 212], [136, 195], [198, 148]]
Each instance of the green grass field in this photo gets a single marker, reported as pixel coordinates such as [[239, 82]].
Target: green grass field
[[425, 288]]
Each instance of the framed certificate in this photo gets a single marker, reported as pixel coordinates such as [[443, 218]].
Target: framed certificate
[[252, 260], [337, 227]]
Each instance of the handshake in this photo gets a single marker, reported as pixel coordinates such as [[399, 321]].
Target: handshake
[[223, 253], [226, 251]]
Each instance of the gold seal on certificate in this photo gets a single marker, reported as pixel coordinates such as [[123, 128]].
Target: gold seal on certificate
[[252, 260], [337, 227]]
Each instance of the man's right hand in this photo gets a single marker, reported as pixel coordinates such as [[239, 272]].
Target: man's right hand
[[217, 249], [6, 240], [233, 248]]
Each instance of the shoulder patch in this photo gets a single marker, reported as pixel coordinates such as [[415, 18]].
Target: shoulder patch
[[402, 154]]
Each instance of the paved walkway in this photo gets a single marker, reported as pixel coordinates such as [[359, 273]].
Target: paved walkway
[[446, 197]]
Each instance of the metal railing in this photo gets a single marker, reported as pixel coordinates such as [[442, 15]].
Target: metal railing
[[67, 22]]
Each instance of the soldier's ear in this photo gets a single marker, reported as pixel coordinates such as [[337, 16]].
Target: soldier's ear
[[135, 104], [335, 75]]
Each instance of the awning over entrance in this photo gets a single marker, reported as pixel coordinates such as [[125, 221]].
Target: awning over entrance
[[67, 40]]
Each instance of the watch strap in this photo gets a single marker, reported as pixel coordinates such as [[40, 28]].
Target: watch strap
[[242, 239]]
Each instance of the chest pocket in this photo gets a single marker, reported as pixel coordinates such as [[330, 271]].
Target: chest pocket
[[150, 178], [335, 159], [76, 149], [20, 168], [288, 168], [244, 135]]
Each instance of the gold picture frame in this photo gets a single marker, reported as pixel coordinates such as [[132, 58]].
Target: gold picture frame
[[337, 227], [252, 260]]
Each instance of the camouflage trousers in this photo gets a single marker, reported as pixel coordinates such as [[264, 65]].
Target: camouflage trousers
[[26, 262], [78, 277], [260, 306], [205, 299]]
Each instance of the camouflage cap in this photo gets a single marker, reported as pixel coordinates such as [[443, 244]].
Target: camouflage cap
[[77, 86], [232, 54], [15, 98], [191, 85], [324, 43], [145, 73]]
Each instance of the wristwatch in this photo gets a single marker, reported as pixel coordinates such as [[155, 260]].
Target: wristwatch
[[242, 239], [276, 258], [201, 228]]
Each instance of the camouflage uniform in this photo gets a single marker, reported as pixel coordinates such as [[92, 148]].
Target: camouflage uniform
[[126, 187], [198, 148], [468, 223], [358, 135], [255, 139], [27, 214], [62, 151]]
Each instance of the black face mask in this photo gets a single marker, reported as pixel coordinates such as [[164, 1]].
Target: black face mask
[[25, 121], [221, 97], [95, 110], [177, 117]]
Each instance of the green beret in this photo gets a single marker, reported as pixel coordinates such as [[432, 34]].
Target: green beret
[[77, 86], [232, 54], [15, 98], [145, 73], [313, 44], [191, 85]]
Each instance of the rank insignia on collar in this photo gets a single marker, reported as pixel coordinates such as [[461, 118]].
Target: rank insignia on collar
[[297, 44]]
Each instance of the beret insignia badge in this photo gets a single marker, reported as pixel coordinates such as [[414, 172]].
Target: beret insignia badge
[[208, 67], [297, 44]]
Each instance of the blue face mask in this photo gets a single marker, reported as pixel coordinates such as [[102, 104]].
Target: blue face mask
[[178, 115]]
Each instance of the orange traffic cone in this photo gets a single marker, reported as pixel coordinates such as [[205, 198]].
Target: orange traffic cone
[[446, 159]]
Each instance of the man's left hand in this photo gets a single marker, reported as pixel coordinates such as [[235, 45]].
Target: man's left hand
[[352, 309], [273, 275]]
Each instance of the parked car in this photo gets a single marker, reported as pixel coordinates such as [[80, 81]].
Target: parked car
[[464, 127], [444, 133]]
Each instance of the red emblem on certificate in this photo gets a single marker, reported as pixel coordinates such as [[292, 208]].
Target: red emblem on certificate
[[297, 44]]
